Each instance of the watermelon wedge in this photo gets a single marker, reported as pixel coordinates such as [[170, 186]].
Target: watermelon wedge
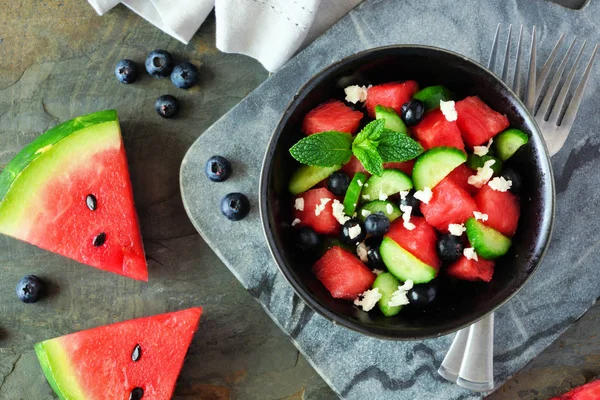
[[332, 116], [589, 391], [69, 192], [140, 358]]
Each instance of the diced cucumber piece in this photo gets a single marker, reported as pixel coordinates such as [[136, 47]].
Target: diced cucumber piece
[[431, 96], [392, 181], [308, 176], [387, 285], [474, 161], [353, 193], [487, 242], [403, 265], [380, 206], [392, 119], [433, 166], [508, 142]]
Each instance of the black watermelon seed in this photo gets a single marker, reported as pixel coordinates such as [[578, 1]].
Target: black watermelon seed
[[137, 353], [100, 239], [136, 394], [91, 202]]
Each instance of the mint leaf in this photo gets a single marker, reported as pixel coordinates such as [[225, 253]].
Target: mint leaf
[[324, 149], [369, 157], [397, 147], [370, 133]]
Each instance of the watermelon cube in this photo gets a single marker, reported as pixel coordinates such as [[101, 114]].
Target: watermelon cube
[[435, 130], [502, 208], [589, 391], [477, 122], [450, 204], [471, 270], [460, 175], [405, 166], [393, 94], [344, 275], [332, 116], [353, 166], [420, 242], [318, 201]]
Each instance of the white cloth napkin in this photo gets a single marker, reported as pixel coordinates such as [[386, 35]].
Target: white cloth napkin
[[269, 30]]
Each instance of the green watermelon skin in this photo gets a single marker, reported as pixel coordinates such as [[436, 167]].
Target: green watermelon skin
[[96, 364]]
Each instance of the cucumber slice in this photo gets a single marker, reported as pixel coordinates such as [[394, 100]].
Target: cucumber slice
[[433, 166], [508, 142], [308, 176], [392, 119], [431, 96], [353, 193], [403, 265], [487, 242], [380, 206], [474, 161], [387, 285], [392, 181]]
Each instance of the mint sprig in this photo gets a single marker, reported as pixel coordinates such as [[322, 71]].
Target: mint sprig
[[324, 149], [397, 147]]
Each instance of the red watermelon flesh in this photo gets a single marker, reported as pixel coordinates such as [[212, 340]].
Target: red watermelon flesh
[[344, 275], [589, 391], [435, 130], [392, 94], [420, 242], [406, 166], [324, 223], [460, 175], [502, 208], [471, 270], [97, 364], [353, 166], [449, 205], [332, 116], [478, 122]]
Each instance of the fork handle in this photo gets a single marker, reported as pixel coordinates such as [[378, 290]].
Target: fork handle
[[477, 367]]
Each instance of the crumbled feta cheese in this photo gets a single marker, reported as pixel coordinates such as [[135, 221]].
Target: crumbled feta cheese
[[295, 222], [404, 194], [483, 174], [359, 182], [365, 213], [424, 195], [355, 94], [382, 196], [366, 197], [377, 271], [389, 208], [456, 229], [480, 216], [406, 210], [361, 251], [338, 212], [299, 204], [469, 252], [449, 110], [354, 231], [399, 296], [320, 207], [500, 184], [483, 150], [368, 299]]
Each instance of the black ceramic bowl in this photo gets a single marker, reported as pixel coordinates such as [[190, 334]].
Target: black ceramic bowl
[[464, 302]]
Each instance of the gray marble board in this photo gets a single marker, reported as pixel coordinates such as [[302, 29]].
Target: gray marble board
[[356, 366]]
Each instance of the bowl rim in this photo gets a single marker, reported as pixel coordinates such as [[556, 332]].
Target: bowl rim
[[546, 226]]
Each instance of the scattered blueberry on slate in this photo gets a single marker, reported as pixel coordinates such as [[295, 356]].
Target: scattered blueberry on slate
[[351, 234], [412, 112], [423, 294], [338, 183], [29, 289], [184, 75], [308, 240], [166, 106], [126, 71], [411, 201], [377, 224], [511, 175], [235, 206], [375, 260], [159, 63], [217, 169], [450, 248]]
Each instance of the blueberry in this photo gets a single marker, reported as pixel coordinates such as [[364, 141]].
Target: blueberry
[[411, 201], [450, 248], [377, 224], [29, 289], [166, 106], [375, 260], [338, 183], [412, 112], [353, 232], [217, 169], [235, 206], [373, 241], [511, 175], [423, 294], [126, 71], [308, 241], [159, 63], [184, 75]]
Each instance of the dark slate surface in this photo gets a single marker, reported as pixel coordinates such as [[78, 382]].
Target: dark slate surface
[[564, 287]]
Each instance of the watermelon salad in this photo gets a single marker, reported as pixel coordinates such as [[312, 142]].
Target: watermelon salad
[[400, 187]]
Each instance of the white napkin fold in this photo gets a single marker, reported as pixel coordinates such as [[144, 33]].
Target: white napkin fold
[[269, 30]]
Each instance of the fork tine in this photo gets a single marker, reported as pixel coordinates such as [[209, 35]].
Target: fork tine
[[530, 90], [516, 85], [492, 60], [507, 56], [544, 109], [546, 68], [571, 112], [560, 100]]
